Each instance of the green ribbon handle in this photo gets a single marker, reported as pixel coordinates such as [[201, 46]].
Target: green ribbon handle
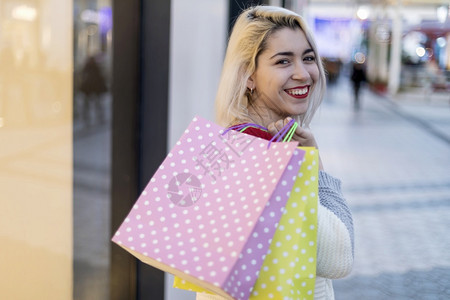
[[290, 133]]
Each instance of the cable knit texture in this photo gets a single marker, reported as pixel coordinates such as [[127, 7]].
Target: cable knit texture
[[331, 197], [334, 237]]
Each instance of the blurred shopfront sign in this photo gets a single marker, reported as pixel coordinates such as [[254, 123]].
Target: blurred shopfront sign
[[383, 33]]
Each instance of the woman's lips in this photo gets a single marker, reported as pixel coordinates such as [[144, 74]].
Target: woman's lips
[[299, 92]]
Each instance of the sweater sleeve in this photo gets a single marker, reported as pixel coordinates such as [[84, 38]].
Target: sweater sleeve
[[335, 239]]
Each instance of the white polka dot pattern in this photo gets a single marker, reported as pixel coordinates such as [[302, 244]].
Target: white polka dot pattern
[[289, 270], [251, 258], [205, 212]]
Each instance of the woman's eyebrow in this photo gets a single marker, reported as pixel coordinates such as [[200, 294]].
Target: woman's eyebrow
[[289, 53]]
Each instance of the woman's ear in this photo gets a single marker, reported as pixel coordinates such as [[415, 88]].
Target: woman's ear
[[250, 83]]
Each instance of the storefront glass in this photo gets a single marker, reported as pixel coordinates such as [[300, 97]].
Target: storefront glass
[[55, 71], [92, 147]]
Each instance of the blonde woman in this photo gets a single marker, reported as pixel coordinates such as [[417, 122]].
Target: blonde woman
[[273, 73]]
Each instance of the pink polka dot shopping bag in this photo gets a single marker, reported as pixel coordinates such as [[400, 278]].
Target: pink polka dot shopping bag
[[209, 213], [289, 268]]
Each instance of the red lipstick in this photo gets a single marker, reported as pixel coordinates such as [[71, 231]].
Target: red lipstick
[[298, 92]]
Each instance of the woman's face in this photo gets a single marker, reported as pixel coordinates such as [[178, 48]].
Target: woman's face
[[285, 74]]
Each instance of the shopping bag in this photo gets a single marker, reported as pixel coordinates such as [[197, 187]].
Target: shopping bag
[[200, 213], [289, 269]]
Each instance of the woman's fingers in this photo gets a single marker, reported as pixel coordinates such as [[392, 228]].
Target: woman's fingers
[[305, 137], [301, 135], [272, 128], [275, 127]]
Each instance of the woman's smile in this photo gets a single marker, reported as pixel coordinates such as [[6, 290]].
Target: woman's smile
[[299, 92]]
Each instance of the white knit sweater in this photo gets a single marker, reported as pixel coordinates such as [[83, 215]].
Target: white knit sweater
[[334, 239]]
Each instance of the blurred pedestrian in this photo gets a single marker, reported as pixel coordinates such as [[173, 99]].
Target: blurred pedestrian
[[358, 77], [273, 73], [93, 86]]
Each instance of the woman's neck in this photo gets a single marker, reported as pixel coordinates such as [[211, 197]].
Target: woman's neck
[[262, 115]]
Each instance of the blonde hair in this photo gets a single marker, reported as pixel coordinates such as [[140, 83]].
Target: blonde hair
[[248, 39]]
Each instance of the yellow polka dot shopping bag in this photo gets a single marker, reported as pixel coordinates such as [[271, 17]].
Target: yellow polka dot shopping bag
[[289, 268], [207, 215]]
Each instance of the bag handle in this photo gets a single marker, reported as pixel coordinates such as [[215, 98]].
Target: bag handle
[[285, 134], [291, 132], [243, 127]]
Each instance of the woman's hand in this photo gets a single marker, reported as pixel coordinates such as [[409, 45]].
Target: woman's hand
[[303, 136]]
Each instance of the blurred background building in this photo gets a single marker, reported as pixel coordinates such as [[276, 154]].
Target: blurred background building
[[94, 92]]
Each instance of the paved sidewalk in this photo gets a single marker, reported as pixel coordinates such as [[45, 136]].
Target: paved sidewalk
[[393, 156]]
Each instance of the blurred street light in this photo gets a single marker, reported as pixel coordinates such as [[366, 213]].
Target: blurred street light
[[89, 16], [442, 13], [420, 51], [360, 58], [441, 42], [363, 12], [24, 13]]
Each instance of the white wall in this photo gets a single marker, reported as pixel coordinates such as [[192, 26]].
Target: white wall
[[198, 41]]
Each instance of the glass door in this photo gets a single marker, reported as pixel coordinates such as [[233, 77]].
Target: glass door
[[92, 102]]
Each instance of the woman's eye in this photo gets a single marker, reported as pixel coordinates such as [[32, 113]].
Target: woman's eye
[[282, 62], [310, 58]]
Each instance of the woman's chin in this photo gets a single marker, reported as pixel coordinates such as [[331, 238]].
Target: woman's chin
[[299, 109]]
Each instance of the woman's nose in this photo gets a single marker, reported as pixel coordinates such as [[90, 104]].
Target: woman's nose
[[300, 72]]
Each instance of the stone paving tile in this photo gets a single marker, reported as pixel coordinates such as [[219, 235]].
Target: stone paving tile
[[401, 240], [430, 284]]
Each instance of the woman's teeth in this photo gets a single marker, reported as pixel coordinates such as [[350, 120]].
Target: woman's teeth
[[298, 92]]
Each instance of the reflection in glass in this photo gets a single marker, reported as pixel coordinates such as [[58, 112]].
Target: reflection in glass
[[92, 135]]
